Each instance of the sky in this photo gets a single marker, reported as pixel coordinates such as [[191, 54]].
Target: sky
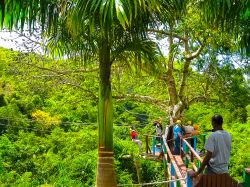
[[12, 40], [18, 42], [5, 40]]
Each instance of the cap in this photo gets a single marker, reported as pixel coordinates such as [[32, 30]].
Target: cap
[[195, 126], [178, 121]]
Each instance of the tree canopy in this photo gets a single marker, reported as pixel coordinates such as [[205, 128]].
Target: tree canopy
[[111, 39]]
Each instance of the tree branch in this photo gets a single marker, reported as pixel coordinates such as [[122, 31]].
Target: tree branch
[[200, 99], [195, 54], [64, 72], [163, 104], [168, 33]]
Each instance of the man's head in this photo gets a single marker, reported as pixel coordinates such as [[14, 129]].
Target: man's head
[[174, 119], [156, 122], [217, 121]]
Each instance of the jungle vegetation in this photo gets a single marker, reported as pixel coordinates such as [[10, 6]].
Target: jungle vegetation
[[57, 104], [48, 118]]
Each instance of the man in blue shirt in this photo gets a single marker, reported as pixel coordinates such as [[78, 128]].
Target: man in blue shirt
[[177, 141]]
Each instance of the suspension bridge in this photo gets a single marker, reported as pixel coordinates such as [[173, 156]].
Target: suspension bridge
[[177, 167]]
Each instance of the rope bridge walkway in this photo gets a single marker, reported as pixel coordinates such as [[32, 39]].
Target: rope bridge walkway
[[177, 166]]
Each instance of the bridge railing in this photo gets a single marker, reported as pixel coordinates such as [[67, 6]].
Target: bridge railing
[[175, 172], [189, 151], [222, 180], [151, 145], [169, 160], [189, 154]]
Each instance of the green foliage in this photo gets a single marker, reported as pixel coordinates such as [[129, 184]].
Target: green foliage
[[65, 152], [59, 158], [239, 158], [131, 168]]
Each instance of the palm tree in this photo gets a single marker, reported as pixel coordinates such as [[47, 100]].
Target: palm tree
[[232, 16], [107, 38], [107, 30], [103, 30]]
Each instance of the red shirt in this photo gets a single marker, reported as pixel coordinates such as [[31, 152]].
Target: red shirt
[[133, 135]]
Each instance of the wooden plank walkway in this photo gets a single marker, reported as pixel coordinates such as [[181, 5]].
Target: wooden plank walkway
[[181, 165]]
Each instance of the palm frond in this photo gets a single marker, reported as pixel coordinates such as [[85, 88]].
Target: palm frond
[[137, 53], [14, 13], [232, 16]]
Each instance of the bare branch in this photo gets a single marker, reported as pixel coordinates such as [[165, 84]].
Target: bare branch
[[201, 99], [163, 104], [196, 53], [64, 72], [48, 75], [168, 33]]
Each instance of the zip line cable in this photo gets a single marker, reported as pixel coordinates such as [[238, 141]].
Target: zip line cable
[[13, 119], [37, 121], [152, 183], [140, 114], [78, 123], [20, 127], [43, 121]]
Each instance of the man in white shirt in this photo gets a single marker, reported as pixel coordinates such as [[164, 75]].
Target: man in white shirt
[[218, 146]]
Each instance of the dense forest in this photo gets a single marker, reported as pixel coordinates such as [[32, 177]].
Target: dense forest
[[48, 120], [106, 66]]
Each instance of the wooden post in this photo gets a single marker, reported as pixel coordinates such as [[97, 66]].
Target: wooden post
[[146, 144], [246, 177]]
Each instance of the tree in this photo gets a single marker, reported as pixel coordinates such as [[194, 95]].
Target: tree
[[190, 38], [103, 30], [232, 16]]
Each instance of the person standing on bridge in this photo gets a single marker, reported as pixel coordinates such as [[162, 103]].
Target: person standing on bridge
[[177, 141], [158, 130], [218, 146]]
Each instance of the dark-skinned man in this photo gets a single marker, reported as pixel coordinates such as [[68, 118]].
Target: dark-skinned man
[[218, 146]]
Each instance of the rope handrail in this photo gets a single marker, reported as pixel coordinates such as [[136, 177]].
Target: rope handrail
[[172, 160], [152, 183], [190, 148]]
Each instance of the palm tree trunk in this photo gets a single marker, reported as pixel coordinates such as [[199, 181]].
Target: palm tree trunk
[[105, 176]]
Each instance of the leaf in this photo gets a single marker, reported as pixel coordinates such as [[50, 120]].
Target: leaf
[[121, 14]]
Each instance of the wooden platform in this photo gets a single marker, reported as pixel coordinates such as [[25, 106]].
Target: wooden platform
[[155, 157], [181, 165]]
